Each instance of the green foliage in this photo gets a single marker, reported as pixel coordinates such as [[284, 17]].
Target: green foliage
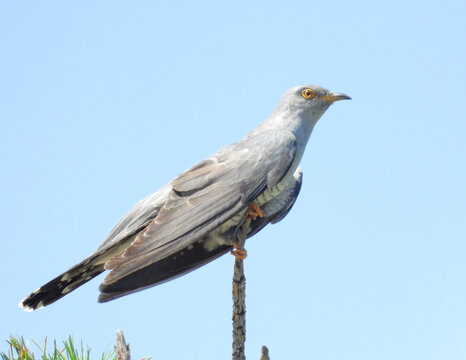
[[20, 351]]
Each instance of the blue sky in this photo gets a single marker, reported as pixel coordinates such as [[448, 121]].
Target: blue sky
[[103, 103]]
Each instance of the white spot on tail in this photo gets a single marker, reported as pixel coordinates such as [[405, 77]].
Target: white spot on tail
[[25, 308]]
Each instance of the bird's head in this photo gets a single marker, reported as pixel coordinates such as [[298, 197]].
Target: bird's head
[[310, 101], [299, 109]]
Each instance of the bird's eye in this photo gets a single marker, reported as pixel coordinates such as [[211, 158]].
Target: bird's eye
[[307, 93]]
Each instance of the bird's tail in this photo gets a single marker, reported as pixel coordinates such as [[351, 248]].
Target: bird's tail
[[63, 284]]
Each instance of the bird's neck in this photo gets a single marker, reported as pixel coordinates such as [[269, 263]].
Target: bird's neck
[[296, 121]]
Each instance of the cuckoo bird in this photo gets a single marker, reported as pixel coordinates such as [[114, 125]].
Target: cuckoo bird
[[194, 218]]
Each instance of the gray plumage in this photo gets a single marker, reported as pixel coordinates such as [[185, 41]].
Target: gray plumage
[[193, 219]]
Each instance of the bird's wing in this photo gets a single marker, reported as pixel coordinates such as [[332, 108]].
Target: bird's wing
[[136, 219], [207, 195], [288, 198]]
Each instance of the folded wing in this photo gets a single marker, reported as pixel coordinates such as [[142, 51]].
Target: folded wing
[[205, 196]]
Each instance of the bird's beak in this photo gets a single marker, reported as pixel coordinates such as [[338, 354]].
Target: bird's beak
[[332, 97]]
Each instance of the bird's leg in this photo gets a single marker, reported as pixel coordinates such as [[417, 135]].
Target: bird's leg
[[252, 212]]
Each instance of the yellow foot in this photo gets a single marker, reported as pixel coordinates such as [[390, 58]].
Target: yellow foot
[[253, 212], [237, 252]]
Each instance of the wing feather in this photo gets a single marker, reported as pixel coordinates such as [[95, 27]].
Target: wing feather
[[207, 195]]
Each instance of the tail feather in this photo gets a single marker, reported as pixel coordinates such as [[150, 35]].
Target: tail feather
[[161, 271], [62, 284]]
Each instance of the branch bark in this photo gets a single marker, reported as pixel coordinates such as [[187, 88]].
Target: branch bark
[[239, 311], [122, 349], [264, 353], [239, 295]]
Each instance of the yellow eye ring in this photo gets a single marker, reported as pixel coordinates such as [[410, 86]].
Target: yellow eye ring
[[307, 93]]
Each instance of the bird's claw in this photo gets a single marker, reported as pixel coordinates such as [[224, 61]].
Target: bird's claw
[[238, 252], [253, 212]]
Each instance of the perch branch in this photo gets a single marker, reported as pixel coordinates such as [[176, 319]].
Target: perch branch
[[264, 353], [239, 294], [121, 348]]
